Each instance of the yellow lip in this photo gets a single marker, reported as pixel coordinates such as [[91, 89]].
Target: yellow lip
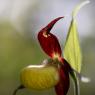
[[39, 77]]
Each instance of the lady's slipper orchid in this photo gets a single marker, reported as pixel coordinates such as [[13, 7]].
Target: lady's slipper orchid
[[51, 46], [55, 71]]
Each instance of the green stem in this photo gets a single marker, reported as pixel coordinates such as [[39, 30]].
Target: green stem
[[76, 83], [18, 88]]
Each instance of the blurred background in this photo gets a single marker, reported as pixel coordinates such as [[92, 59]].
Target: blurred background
[[21, 20]]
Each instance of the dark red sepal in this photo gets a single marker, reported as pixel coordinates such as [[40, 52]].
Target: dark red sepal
[[48, 41]]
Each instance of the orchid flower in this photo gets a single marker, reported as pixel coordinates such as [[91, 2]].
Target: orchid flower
[[55, 71], [51, 47]]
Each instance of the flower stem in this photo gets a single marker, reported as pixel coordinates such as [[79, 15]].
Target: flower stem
[[76, 83], [18, 88]]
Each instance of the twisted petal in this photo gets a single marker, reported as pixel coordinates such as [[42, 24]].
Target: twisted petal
[[62, 87]]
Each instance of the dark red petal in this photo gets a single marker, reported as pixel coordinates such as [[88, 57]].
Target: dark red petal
[[66, 65], [48, 41], [62, 87]]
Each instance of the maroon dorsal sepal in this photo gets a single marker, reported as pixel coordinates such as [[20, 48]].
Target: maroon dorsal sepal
[[49, 41]]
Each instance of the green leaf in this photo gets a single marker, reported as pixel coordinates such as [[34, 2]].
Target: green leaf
[[72, 51]]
